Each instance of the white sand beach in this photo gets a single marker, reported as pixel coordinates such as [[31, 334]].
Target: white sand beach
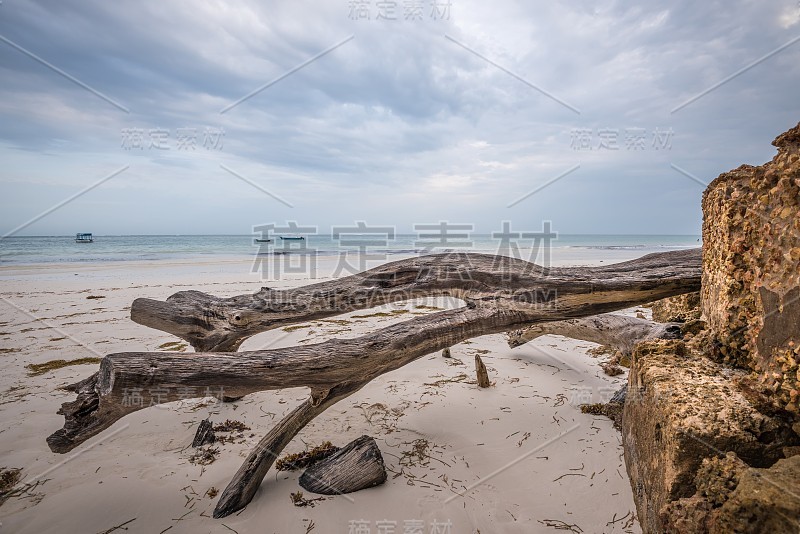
[[518, 457]]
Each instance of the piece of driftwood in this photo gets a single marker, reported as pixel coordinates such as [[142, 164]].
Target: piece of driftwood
[[357, 465], [501, 294], [205, 434], [480, 371], [248, 477], [211, 323], [617, 331]]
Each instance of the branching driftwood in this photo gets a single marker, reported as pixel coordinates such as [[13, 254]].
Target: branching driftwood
[[211, 323], [501, 294]]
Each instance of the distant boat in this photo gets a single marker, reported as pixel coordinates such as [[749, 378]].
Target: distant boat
[[84, 238], [293, 238], [263, 240]]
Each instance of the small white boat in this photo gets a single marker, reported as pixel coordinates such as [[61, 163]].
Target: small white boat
[[84, 238]]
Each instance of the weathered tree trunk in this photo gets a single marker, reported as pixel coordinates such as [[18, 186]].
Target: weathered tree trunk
[[357, 466], [501, 293], [617, 331]]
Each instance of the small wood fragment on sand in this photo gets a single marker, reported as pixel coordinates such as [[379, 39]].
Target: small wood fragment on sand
[[205, 434], [483, 375], [358, 465]]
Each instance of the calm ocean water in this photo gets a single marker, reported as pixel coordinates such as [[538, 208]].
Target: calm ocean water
[[58, 249]]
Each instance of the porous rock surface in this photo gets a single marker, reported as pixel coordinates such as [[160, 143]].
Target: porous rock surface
[[751, 270], [680, 409], [680, 309], [732, 497]]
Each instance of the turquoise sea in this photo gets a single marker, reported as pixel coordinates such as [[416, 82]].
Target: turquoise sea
[[112, 248]]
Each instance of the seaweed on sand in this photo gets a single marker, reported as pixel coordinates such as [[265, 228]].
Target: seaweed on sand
[[36, 369], [292, 462], [174, 346], [298, 500], [231, 426], [204, 456]]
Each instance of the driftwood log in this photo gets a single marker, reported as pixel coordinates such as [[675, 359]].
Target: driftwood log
[[356, 466], [501, 294], [616, 331]]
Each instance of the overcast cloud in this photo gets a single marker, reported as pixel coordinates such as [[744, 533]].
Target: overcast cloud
[[404, 123]]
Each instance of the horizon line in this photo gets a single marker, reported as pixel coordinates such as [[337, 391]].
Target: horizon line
[[327, 234]]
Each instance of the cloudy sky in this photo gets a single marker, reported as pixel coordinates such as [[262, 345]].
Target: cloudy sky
[[586, 113]]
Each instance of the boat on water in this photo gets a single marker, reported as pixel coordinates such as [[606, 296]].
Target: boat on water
[[292, 238], [263, 240], [84, 238]]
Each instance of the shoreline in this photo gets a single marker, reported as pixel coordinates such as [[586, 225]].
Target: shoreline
[[568, 256], [33, 251]]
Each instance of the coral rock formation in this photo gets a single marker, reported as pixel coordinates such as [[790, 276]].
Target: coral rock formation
[[682, 408], [751, 269], [680, 309]]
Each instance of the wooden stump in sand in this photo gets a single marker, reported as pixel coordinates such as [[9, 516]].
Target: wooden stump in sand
[[205, 434], [480, 370]]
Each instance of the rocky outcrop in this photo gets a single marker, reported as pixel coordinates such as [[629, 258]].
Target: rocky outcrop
[[751, 270], [711, 423], [682, 408], [732, 497], [680, 309]]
